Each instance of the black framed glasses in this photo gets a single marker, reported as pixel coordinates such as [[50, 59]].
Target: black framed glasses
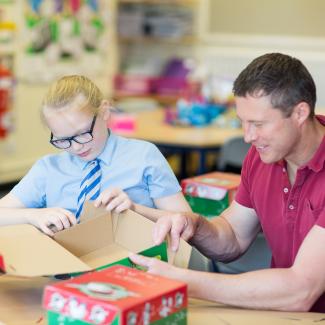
[[82, 138]]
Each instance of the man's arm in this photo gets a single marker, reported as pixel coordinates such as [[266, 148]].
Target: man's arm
[[228, 236], [290, 289], [224, 238]]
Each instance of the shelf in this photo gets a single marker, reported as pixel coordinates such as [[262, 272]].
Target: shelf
[[164, 99], [162, 33], [174, 2], [7, 49], [165, 40]]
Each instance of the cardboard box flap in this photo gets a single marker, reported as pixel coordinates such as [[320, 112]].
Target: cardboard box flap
[[89, 211], [130, 222], [181, 258], [105, 255], [25, 250], [88, 236], [131, 225]]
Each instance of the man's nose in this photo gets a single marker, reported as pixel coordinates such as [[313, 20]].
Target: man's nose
[[249, 133]]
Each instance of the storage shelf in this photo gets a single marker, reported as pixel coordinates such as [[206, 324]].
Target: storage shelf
[[7, 49], [174, 2], [165, 40], [139, 34], [164, 99]]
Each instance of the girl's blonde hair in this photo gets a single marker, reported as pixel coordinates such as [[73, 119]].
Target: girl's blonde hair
[[66, 89]]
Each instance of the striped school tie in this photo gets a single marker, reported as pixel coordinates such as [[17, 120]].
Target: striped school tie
[[90, 185]]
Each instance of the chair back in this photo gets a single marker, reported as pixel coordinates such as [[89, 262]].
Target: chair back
[[232, 153]]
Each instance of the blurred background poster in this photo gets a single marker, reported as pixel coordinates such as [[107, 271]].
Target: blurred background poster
[[63, 37]]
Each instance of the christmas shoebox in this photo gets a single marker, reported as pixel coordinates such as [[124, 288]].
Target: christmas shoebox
[[211, 193], [99, 240], [116, 295]]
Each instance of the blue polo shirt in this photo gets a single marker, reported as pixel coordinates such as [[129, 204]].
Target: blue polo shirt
[[137, 167]]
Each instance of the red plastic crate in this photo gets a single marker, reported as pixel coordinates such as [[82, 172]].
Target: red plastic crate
[[133, 85]]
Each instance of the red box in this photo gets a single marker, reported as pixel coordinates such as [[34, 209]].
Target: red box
[[118, 294], [132, 85], [122, 122], [212, 186]]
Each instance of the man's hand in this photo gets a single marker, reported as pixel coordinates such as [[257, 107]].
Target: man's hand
[[179, 225], [51, 220], [114, 199], [155, 266]]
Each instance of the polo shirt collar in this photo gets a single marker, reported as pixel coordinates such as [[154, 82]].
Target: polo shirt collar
[[316, 163]]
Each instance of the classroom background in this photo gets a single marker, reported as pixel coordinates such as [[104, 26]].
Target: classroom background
[[167, 66], [180, 56]]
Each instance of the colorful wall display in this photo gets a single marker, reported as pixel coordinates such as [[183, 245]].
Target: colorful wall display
[[64, 37]]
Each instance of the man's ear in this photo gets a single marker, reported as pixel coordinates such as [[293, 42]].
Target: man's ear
[[105, 109], [301, 112]]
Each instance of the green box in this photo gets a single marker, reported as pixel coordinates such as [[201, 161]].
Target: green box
[[178, 318], [207, 207], [210, 194]]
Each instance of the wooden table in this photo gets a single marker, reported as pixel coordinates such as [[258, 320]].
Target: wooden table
[[20, 304], [150, 126]]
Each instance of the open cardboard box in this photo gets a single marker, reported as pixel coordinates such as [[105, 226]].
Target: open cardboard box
[[100, 239]]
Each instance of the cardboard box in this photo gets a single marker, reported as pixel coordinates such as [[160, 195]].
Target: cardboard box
[[116, 295], [99, 240], [210, 194]]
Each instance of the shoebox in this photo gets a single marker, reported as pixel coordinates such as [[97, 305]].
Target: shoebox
[[99, 240], [132, 85], [122, 122], [211, 193], [116, 295]]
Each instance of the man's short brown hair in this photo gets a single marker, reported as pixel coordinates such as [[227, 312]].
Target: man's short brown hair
[[284, 78]]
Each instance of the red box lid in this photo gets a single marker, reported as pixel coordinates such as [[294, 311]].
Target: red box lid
[[98, 297], [211, 186]]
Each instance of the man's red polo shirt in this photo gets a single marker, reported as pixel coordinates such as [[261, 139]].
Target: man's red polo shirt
[[286, 212]]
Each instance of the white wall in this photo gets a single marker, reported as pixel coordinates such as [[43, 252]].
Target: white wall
[[234, 32], [228, 62]]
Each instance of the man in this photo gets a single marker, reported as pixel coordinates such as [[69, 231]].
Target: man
[[282, 191]]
